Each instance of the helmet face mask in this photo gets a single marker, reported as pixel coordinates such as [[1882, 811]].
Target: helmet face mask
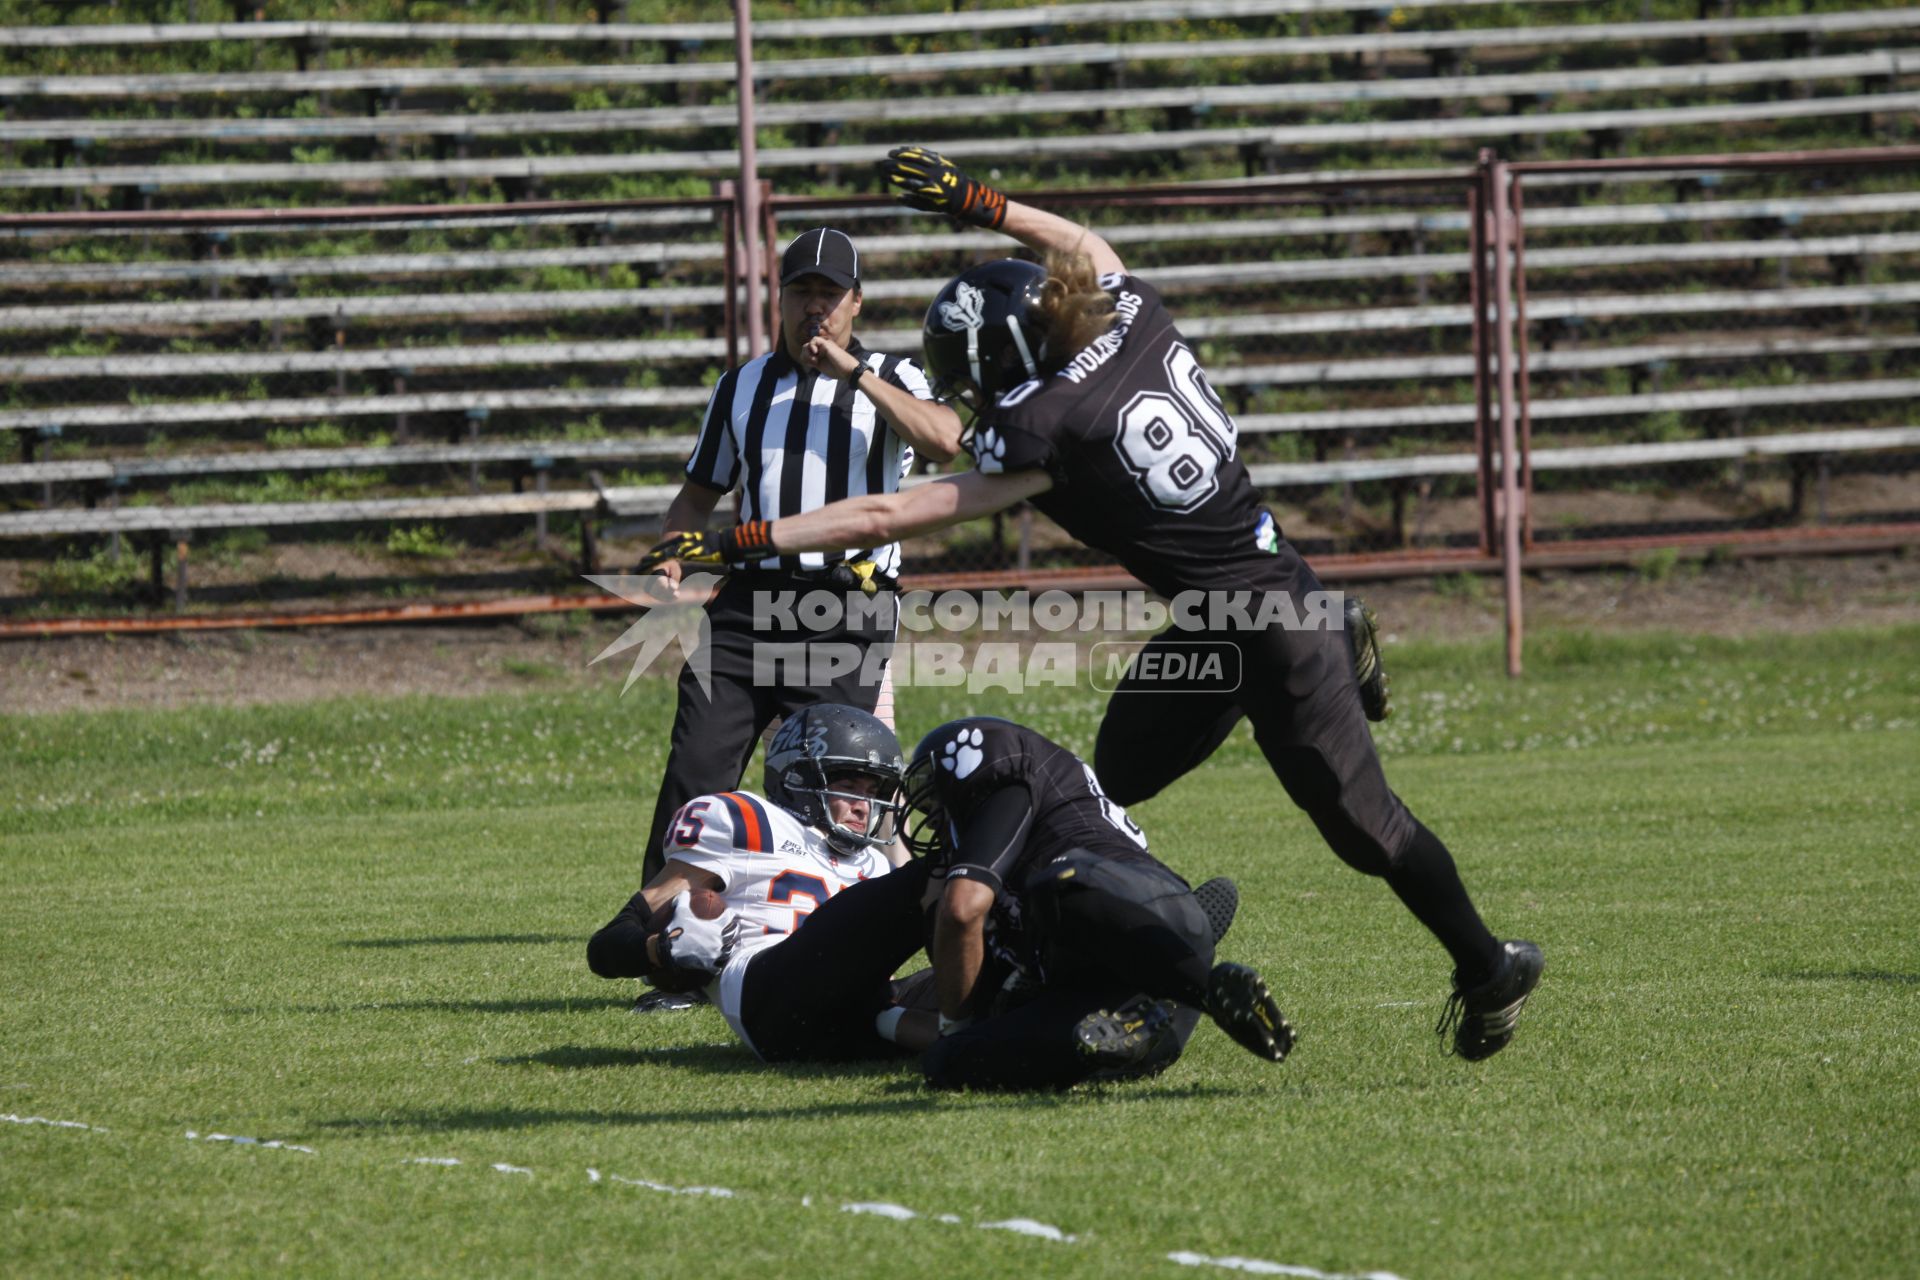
[[882, 797], [985, 332], [925, 829], [929, 828], [818, 750]]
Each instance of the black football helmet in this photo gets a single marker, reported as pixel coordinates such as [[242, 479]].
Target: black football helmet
[[984, 333], [929, 828], [816, 750]]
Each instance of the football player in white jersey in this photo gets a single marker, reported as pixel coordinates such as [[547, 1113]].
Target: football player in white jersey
[[810, 853]]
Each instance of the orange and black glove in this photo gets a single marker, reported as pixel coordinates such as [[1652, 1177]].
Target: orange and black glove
[[927, 180], [747, 541]]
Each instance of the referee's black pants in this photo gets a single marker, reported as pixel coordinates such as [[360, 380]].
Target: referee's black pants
[[714, 736]]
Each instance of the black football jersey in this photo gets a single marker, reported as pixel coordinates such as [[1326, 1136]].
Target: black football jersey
[[1142, 456], [980, 755], [977, 757]]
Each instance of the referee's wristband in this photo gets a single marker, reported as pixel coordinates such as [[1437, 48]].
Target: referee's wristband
[[746, 541], [853, 379]]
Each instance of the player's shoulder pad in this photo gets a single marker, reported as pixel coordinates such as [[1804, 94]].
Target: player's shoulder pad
[[724, 822]]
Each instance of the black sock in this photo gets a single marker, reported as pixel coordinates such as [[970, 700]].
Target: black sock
[[1426, 880]]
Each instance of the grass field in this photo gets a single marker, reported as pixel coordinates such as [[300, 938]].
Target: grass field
[[356, 928]]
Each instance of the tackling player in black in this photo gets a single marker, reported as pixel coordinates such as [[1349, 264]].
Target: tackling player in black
[[1063, 952], [1089, 403]]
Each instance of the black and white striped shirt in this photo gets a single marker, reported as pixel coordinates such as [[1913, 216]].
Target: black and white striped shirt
[[794, 440]]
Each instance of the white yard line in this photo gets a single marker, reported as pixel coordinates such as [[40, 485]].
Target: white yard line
[[57, 1124], [1261, 1267], [1029, 1227], [239, 1140]]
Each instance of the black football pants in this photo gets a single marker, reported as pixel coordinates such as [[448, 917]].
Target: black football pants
[[1298, 689], [714, 737], [1110, 927], [812, 997]]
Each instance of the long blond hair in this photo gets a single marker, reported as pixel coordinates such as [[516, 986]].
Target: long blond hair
[[1076, 309]]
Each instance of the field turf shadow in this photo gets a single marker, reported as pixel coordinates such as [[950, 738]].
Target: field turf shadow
[[909, 1096], [718, 1058], [463, 940], [555, 1004], [501, 1118]]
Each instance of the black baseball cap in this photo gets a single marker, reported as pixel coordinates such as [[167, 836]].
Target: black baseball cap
[[822, 252]]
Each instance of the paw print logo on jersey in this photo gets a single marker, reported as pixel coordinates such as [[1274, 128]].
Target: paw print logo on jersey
[[989, 451], [966, 311], [963, 755]]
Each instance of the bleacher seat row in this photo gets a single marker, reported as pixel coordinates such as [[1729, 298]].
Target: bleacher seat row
[[1704, 318]]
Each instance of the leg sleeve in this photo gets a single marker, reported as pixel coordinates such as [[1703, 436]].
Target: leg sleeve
[[1323, 753], [1306, 715]]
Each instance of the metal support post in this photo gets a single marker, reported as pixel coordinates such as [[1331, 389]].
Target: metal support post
[[1478, 288], [476, 415], [1512, 503], [542, 466], [1517, 214], [180, 571], [749, 185], [400, 375]]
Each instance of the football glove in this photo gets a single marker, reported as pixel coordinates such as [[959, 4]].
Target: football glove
[[927, 180], [755, 538], [690, 944]]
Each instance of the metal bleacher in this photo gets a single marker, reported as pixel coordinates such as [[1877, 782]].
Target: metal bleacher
[[1323, 291], [1260, 142], [1201, 98], [620, 32]]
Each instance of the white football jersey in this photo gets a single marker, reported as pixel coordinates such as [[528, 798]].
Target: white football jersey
[[774, 869]]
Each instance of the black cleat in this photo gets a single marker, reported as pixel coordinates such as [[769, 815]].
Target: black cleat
[[1240, 1005], [668, 1001], [1130, 1041], [1482, 1019], [1363, 634], [1220, 899]]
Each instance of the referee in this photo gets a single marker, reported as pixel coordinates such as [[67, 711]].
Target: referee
[[817, 419]]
